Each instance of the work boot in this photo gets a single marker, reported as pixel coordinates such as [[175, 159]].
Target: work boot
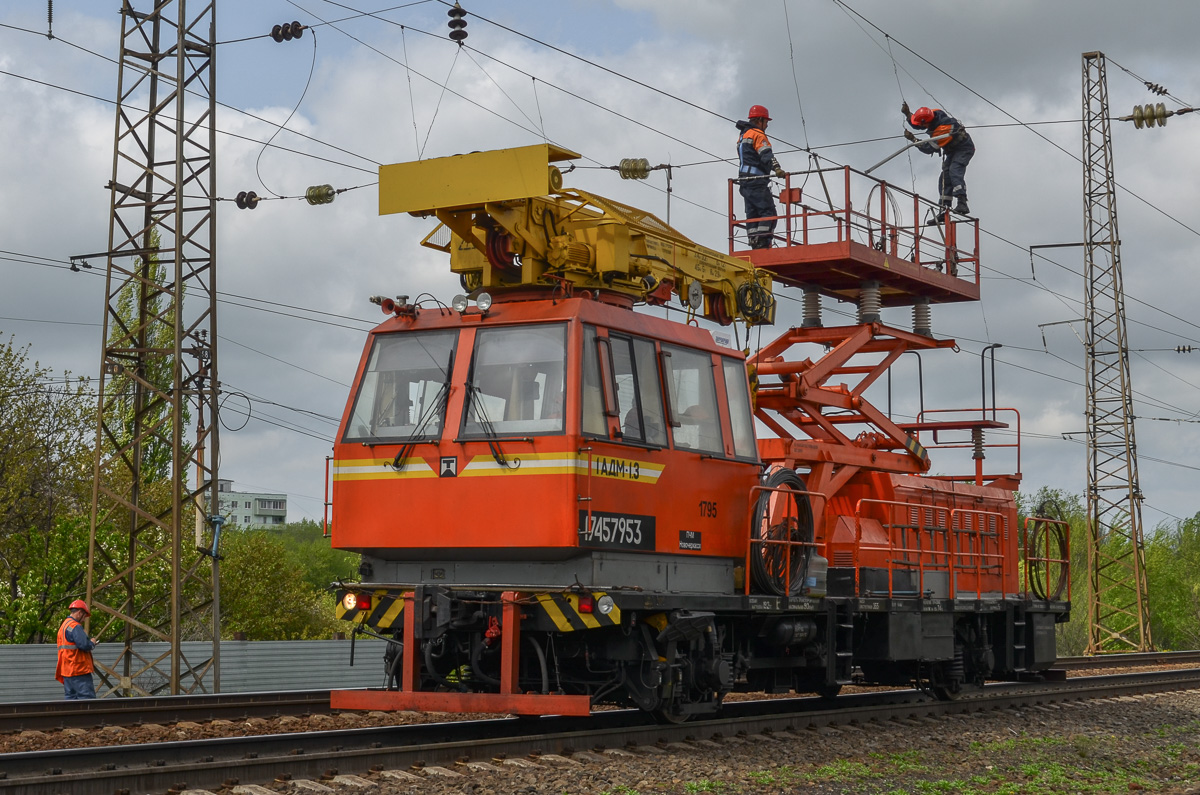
[[962, 208]]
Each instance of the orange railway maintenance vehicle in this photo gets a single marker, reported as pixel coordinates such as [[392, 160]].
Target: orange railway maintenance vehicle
[[563, 502]]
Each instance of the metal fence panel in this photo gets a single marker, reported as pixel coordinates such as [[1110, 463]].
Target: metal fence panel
[[27, 671]]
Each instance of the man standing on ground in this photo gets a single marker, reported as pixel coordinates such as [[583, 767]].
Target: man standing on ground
[[75, 654], [756, 162]]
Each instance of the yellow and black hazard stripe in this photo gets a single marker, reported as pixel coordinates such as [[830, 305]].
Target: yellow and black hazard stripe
[[562, 610], [916, 448], [384, 612]]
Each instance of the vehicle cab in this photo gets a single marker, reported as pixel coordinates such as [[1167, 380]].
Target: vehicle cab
[[593, 444]]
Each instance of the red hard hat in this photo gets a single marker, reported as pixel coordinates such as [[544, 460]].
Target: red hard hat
[[79, 604], [921, 117], [758, 112]]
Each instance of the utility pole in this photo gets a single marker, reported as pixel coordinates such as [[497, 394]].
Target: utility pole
[[1118, 609], [149, 583]]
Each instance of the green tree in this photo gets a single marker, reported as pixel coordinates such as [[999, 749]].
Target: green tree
[[158, 365], [1173, 574], [308, 549], [46, 429], [265, 594]]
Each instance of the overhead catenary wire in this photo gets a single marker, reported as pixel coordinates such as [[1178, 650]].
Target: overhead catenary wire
[[1057, 146], [1006, 275]]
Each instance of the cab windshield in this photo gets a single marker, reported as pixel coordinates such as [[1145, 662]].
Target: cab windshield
[[403, 392], [517, 381]]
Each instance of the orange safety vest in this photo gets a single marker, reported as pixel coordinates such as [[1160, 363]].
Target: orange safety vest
[[71, 661], [942, 129]]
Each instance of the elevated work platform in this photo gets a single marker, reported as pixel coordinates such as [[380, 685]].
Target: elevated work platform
[[840, 228]]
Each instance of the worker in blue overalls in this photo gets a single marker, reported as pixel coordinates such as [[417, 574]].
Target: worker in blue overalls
[[955, 146], [756, 163]]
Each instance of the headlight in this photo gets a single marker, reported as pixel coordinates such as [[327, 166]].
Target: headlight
[[605, 605], [483, 301], [349, 601], [459, 303]]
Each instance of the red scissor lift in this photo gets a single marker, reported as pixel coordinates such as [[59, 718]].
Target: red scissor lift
[[847, 236]]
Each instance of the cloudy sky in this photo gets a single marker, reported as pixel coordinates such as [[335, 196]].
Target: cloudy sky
[[660, 79]]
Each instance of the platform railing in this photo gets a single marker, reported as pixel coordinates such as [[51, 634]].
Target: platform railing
[[964, 546], [900, 554], [1046, 558], [978, 422], [788, 546], [889, 219], [984, 534]]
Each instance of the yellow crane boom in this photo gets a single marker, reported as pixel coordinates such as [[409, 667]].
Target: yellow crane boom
[[507, 222]]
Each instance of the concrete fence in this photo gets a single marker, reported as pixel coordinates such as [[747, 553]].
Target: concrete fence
[[27, 671]]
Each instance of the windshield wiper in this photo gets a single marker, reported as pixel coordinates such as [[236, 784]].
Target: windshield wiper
[[489, 431], [440, 403]]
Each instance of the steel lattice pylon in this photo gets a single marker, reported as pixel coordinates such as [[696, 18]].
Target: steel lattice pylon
[[1118, 611], [148, 580]]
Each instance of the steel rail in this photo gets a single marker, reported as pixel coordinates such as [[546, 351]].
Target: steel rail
[[40, 715], [1128, 660], [218, 762]]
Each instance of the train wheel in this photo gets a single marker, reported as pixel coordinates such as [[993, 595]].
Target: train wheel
[[668, 715], [949, 692], [829, 692], [783, 530]]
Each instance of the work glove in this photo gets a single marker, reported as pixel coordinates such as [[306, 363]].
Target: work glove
[[904, 109], [779, 172], [908, 134]]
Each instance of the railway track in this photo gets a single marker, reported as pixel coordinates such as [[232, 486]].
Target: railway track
[[42, 715], [373, 752], [49, 715], [1128, 660]]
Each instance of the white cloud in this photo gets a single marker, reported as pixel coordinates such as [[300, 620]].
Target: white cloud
[[1023, 56]]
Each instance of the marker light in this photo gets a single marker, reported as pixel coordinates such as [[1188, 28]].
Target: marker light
[[605, 605], [362, 601], [587, 603], [459, 303], [484, 302], [349, 601]]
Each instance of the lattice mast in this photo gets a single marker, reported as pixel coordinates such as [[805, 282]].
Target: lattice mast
[[1118, 609], [148, 578]]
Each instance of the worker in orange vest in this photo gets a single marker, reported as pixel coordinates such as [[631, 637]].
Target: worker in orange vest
[[75, 654], [756, 164], [956, 148]]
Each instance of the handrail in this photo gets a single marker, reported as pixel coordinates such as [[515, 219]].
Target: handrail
[[981, 557], [1048, 563], [786, 543], [976, 561], [892, 548], [926, 247], [326, 529], [977, 444]]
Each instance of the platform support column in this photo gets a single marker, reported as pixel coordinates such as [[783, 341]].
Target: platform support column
[[410, 674], [922, 317], [510, 642], [870, 304]]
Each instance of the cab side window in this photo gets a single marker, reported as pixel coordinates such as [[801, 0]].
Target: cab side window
[[639, 397], [741, 417], [693, 396], [630, 389]]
